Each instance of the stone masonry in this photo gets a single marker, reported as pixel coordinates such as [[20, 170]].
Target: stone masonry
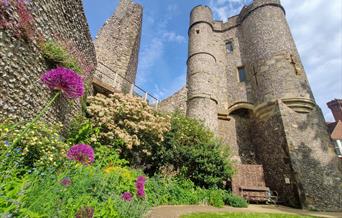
[[246, 82], [117, 46], [21, 62]]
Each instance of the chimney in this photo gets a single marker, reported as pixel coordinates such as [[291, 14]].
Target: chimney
[[336, 108]]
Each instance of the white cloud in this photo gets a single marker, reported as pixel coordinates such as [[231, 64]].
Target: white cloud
[[226, 8], [316, 26], [173, 37]]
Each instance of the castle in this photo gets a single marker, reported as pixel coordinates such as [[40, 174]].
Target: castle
[[246, 82]]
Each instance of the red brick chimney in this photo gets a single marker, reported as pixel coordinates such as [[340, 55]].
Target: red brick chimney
[[336, 108]]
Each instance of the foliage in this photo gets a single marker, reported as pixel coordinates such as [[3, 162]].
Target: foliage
[[234, 201], [41, 147], [59, 56], [72, 189], [216, 198], [128, 123], [242, 215], [90, 187], [192, 152], [178, 191], [82, 130]]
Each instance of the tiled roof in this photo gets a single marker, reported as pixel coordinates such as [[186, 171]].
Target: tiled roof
[[337, 132]]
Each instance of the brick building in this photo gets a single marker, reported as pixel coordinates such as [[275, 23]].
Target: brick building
[[335, 128]]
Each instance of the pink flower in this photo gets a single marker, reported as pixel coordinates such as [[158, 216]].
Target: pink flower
[[64, 80], [66, 182], [126, 196], [140, 186], [81, 153]]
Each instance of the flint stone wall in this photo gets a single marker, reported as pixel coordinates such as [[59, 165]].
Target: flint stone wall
[[22, 64], [176, 102], [117, 46]]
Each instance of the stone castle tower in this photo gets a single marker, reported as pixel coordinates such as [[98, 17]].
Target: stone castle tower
[[246, 82], [117, 47]]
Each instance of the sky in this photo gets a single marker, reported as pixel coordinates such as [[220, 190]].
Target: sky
[[315, 24]]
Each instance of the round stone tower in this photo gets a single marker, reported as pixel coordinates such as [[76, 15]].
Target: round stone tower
[[270, 55], [202, 82]]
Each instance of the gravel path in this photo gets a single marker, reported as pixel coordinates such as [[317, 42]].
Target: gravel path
[[177, 211]]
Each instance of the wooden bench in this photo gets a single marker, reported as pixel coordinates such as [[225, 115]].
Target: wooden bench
[[255, 194]]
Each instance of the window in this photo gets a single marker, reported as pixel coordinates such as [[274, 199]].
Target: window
[[338, 147], [229, 47], [242, 74]]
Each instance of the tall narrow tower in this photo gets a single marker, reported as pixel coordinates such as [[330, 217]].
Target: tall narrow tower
[[117, 46], [201, 82]]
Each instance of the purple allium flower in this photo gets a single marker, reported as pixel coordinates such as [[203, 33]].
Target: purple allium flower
[[86, 212], [140, 186], [81, 153], [126, 196], [66, 182], [64, 80]]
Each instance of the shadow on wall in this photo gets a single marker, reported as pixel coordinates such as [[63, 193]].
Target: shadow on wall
[[313, 159]]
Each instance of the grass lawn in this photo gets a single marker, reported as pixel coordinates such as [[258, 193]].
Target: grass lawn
[[241, 215]]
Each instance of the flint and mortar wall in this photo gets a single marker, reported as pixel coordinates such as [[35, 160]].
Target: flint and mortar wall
[[117, 45], [176, 102], [313, 159], [202, 76], [21, 62]]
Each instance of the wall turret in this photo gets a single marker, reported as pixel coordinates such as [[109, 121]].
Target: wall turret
[[271, 57], [202, 82]]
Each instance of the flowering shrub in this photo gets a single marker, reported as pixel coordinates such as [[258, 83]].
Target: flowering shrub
[[127, 119], [41, 147], [81, 153]]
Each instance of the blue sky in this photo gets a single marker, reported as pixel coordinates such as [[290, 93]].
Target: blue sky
[[163, 52]]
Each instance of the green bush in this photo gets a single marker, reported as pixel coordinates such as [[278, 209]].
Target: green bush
[[178, 191], [192, 152], [82, 130], [57, 55], [216, 198], [174, 191], [234, 201]]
